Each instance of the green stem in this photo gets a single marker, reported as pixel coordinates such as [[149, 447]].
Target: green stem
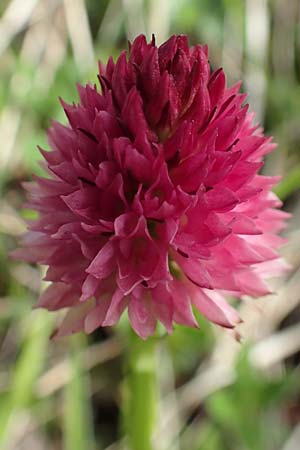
[[140, 410]]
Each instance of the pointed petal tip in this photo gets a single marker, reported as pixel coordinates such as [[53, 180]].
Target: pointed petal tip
[[54, 335]]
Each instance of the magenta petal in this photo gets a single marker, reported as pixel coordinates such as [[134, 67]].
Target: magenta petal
[[137, 164], [242, 224], [57, 296], [166, 52], [73, 321], [126, 225], [81, 202], [214, 307], [162, 305], [128, 283], [117, 305], [183, 313], [221, 199], [96, 316], [89, 288], [106, 171], [194, 271], [251, 283], [216, 86], [141, 317], [132, 112], [104, 262], [272, 268]]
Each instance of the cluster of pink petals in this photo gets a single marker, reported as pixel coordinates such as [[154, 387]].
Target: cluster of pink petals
[[154, 202]]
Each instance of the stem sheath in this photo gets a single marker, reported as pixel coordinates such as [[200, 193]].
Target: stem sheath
[[142, 393]]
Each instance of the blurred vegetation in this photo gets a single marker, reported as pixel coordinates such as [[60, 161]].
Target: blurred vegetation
[[217, 393]]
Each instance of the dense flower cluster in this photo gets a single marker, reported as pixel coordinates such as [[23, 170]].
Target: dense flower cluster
[[154, 202]]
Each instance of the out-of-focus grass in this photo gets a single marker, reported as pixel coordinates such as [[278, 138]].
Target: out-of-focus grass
[[24, 373], [236, 406], [289, 184]]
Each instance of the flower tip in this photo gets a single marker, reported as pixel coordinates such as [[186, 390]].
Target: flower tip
[[54, 335], [237, 336], [142, 335]]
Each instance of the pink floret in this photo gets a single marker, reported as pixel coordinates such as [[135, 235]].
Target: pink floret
[[153, 202]]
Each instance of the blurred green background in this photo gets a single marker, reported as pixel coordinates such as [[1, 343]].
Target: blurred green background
[[216, 393]]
